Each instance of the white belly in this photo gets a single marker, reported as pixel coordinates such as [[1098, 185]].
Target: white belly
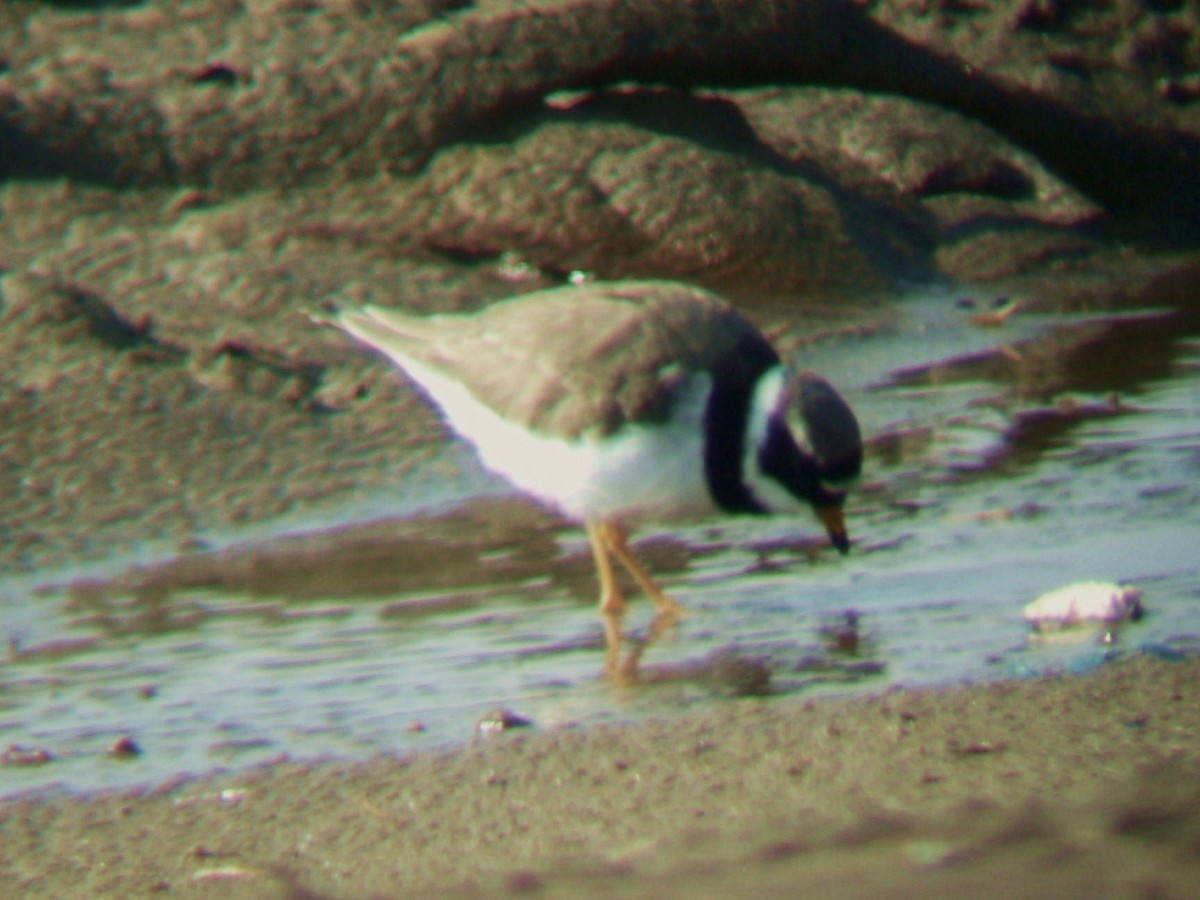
[[646, 472]]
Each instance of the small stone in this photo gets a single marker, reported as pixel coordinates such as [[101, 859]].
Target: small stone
[[124, 748], [20, 755], [499, 720]]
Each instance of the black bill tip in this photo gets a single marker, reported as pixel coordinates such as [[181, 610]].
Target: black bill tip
[[835, 525]]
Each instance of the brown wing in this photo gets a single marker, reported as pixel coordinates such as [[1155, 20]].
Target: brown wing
[[579, 359]]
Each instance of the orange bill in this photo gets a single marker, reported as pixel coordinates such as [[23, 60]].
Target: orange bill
[[835, 523]]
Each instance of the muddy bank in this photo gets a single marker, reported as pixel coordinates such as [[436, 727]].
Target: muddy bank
[[1049, 787], [247, 95], [155, 434], [178, 191]]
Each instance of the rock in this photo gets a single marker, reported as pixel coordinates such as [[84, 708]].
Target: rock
[[620, 200]]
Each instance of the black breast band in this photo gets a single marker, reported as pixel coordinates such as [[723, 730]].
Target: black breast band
[[725, 418]]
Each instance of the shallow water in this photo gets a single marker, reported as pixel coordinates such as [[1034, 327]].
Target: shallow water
[[1002, 466]]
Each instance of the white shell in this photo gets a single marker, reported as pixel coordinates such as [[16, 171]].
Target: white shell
[[1084, 601]]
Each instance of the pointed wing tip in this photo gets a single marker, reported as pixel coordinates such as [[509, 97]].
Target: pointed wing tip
[[343, 318], [322, 319]]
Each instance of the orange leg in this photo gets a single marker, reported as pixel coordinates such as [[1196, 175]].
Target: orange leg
[[617, 544], [612, 600], [608, 540]]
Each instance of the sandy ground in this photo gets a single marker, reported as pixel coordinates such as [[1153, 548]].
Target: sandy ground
[[1071, 786]]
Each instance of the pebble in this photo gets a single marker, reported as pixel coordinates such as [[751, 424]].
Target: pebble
[[499, 720]]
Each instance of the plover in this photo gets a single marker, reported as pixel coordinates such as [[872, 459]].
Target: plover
[[629, 401]]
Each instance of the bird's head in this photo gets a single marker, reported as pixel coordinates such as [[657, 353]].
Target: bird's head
[[812, 446]]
